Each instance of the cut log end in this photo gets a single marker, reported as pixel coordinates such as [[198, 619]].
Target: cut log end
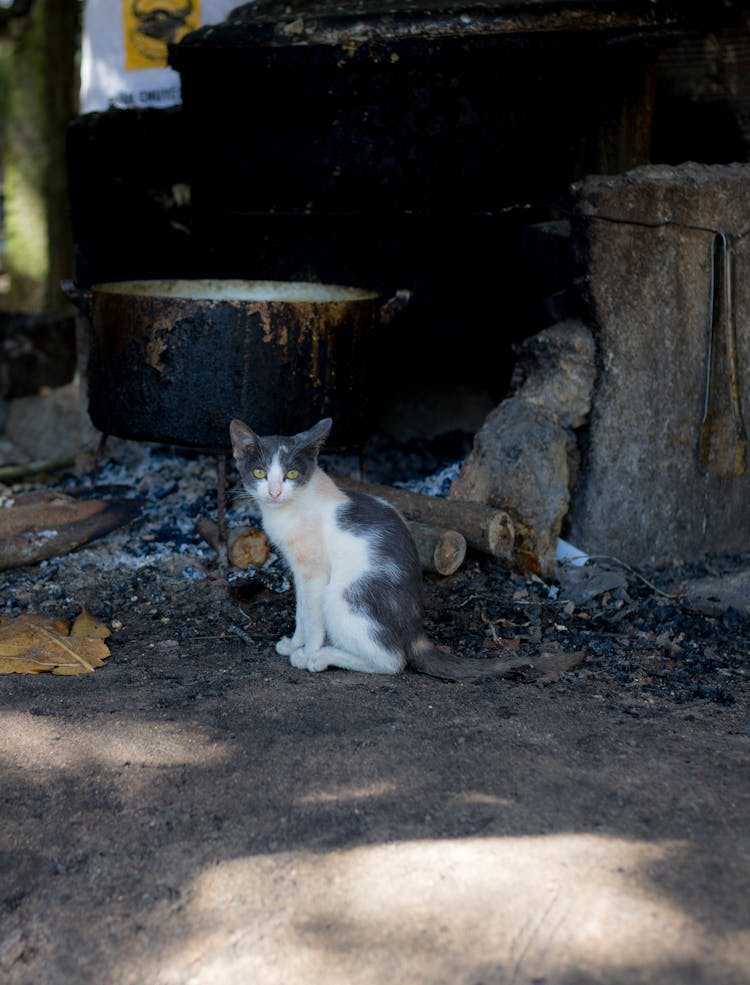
[[246, 546], [440, 551]]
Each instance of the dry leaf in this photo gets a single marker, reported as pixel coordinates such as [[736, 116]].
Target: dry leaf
[[87, 625], [36, 643], [54, 623], [553, 661]]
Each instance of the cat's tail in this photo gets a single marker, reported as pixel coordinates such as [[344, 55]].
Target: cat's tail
[[426, 658]]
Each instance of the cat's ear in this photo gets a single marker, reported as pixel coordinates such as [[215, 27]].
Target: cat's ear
[[317, 434], [244, 440]]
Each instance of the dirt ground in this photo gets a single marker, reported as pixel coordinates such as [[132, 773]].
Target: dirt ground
[[197, 811]]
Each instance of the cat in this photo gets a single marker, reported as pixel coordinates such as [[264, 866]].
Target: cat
[[357, 577]]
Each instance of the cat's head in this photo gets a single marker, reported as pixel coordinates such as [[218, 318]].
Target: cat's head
[[275, 467]]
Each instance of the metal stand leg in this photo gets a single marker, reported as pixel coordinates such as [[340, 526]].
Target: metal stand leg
[[221, 508]]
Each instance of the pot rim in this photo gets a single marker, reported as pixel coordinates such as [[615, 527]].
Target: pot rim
[[220, 289]]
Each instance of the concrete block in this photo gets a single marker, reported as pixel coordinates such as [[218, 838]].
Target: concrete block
[[648, 243]]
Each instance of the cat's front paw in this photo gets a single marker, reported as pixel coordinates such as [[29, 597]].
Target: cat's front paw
[[316, 661], [304, 661], [287, 645], [298, 659]]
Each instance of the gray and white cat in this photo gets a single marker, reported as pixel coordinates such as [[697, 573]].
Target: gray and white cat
[[357, 577]]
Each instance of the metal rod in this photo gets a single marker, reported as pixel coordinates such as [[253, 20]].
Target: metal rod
[[723, 440], [221, 507]]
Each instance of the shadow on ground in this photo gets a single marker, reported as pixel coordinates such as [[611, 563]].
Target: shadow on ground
[[198, 811]]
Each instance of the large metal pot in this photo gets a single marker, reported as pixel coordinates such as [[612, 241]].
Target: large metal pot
[[176, 360]]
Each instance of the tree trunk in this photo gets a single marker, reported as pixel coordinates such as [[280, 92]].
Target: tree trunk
[[42, 98]]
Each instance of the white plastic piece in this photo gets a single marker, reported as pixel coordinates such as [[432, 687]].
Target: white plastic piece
[[568, 554]]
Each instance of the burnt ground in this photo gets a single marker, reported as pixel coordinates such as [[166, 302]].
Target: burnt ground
[[197, 811]]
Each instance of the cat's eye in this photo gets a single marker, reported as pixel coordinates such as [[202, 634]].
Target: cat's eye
[[293, 474], [259, 473]]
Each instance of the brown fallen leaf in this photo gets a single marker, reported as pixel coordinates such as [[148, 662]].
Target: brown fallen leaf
[[37, 643], [55, 623], [551, 662], [89, 626], [503, 643]]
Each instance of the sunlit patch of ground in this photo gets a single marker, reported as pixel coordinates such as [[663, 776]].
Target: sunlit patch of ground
[[553, 909]]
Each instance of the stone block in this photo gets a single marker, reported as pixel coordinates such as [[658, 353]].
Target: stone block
[[651, 489]]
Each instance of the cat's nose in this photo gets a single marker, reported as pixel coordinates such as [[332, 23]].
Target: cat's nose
[[274, 494]]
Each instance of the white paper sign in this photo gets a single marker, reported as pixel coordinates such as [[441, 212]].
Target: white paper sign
[[124, 50]]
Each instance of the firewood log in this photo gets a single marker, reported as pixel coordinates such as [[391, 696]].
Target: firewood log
[[42, 525], [440, 551], [246, 546], [486, 529]]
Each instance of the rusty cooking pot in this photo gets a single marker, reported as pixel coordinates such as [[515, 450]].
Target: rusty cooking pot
[[175, 360]]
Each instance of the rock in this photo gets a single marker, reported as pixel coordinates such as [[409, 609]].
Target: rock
[[646, 240], [556, 370], [580, 584], [10, 455], [715, 594], [522, 462], [524, 458]]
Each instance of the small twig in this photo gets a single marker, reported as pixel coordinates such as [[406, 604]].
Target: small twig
[[11, 472], [238, 631], [484, 616], [488, 622], [469, 598]]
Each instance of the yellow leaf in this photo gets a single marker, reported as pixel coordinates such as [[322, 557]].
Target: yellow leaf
[[34, 644], [87, 625], [11, 665], [36, 619]]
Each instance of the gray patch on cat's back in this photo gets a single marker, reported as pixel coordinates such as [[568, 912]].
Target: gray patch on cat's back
[[391, 593], [364, 515]]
